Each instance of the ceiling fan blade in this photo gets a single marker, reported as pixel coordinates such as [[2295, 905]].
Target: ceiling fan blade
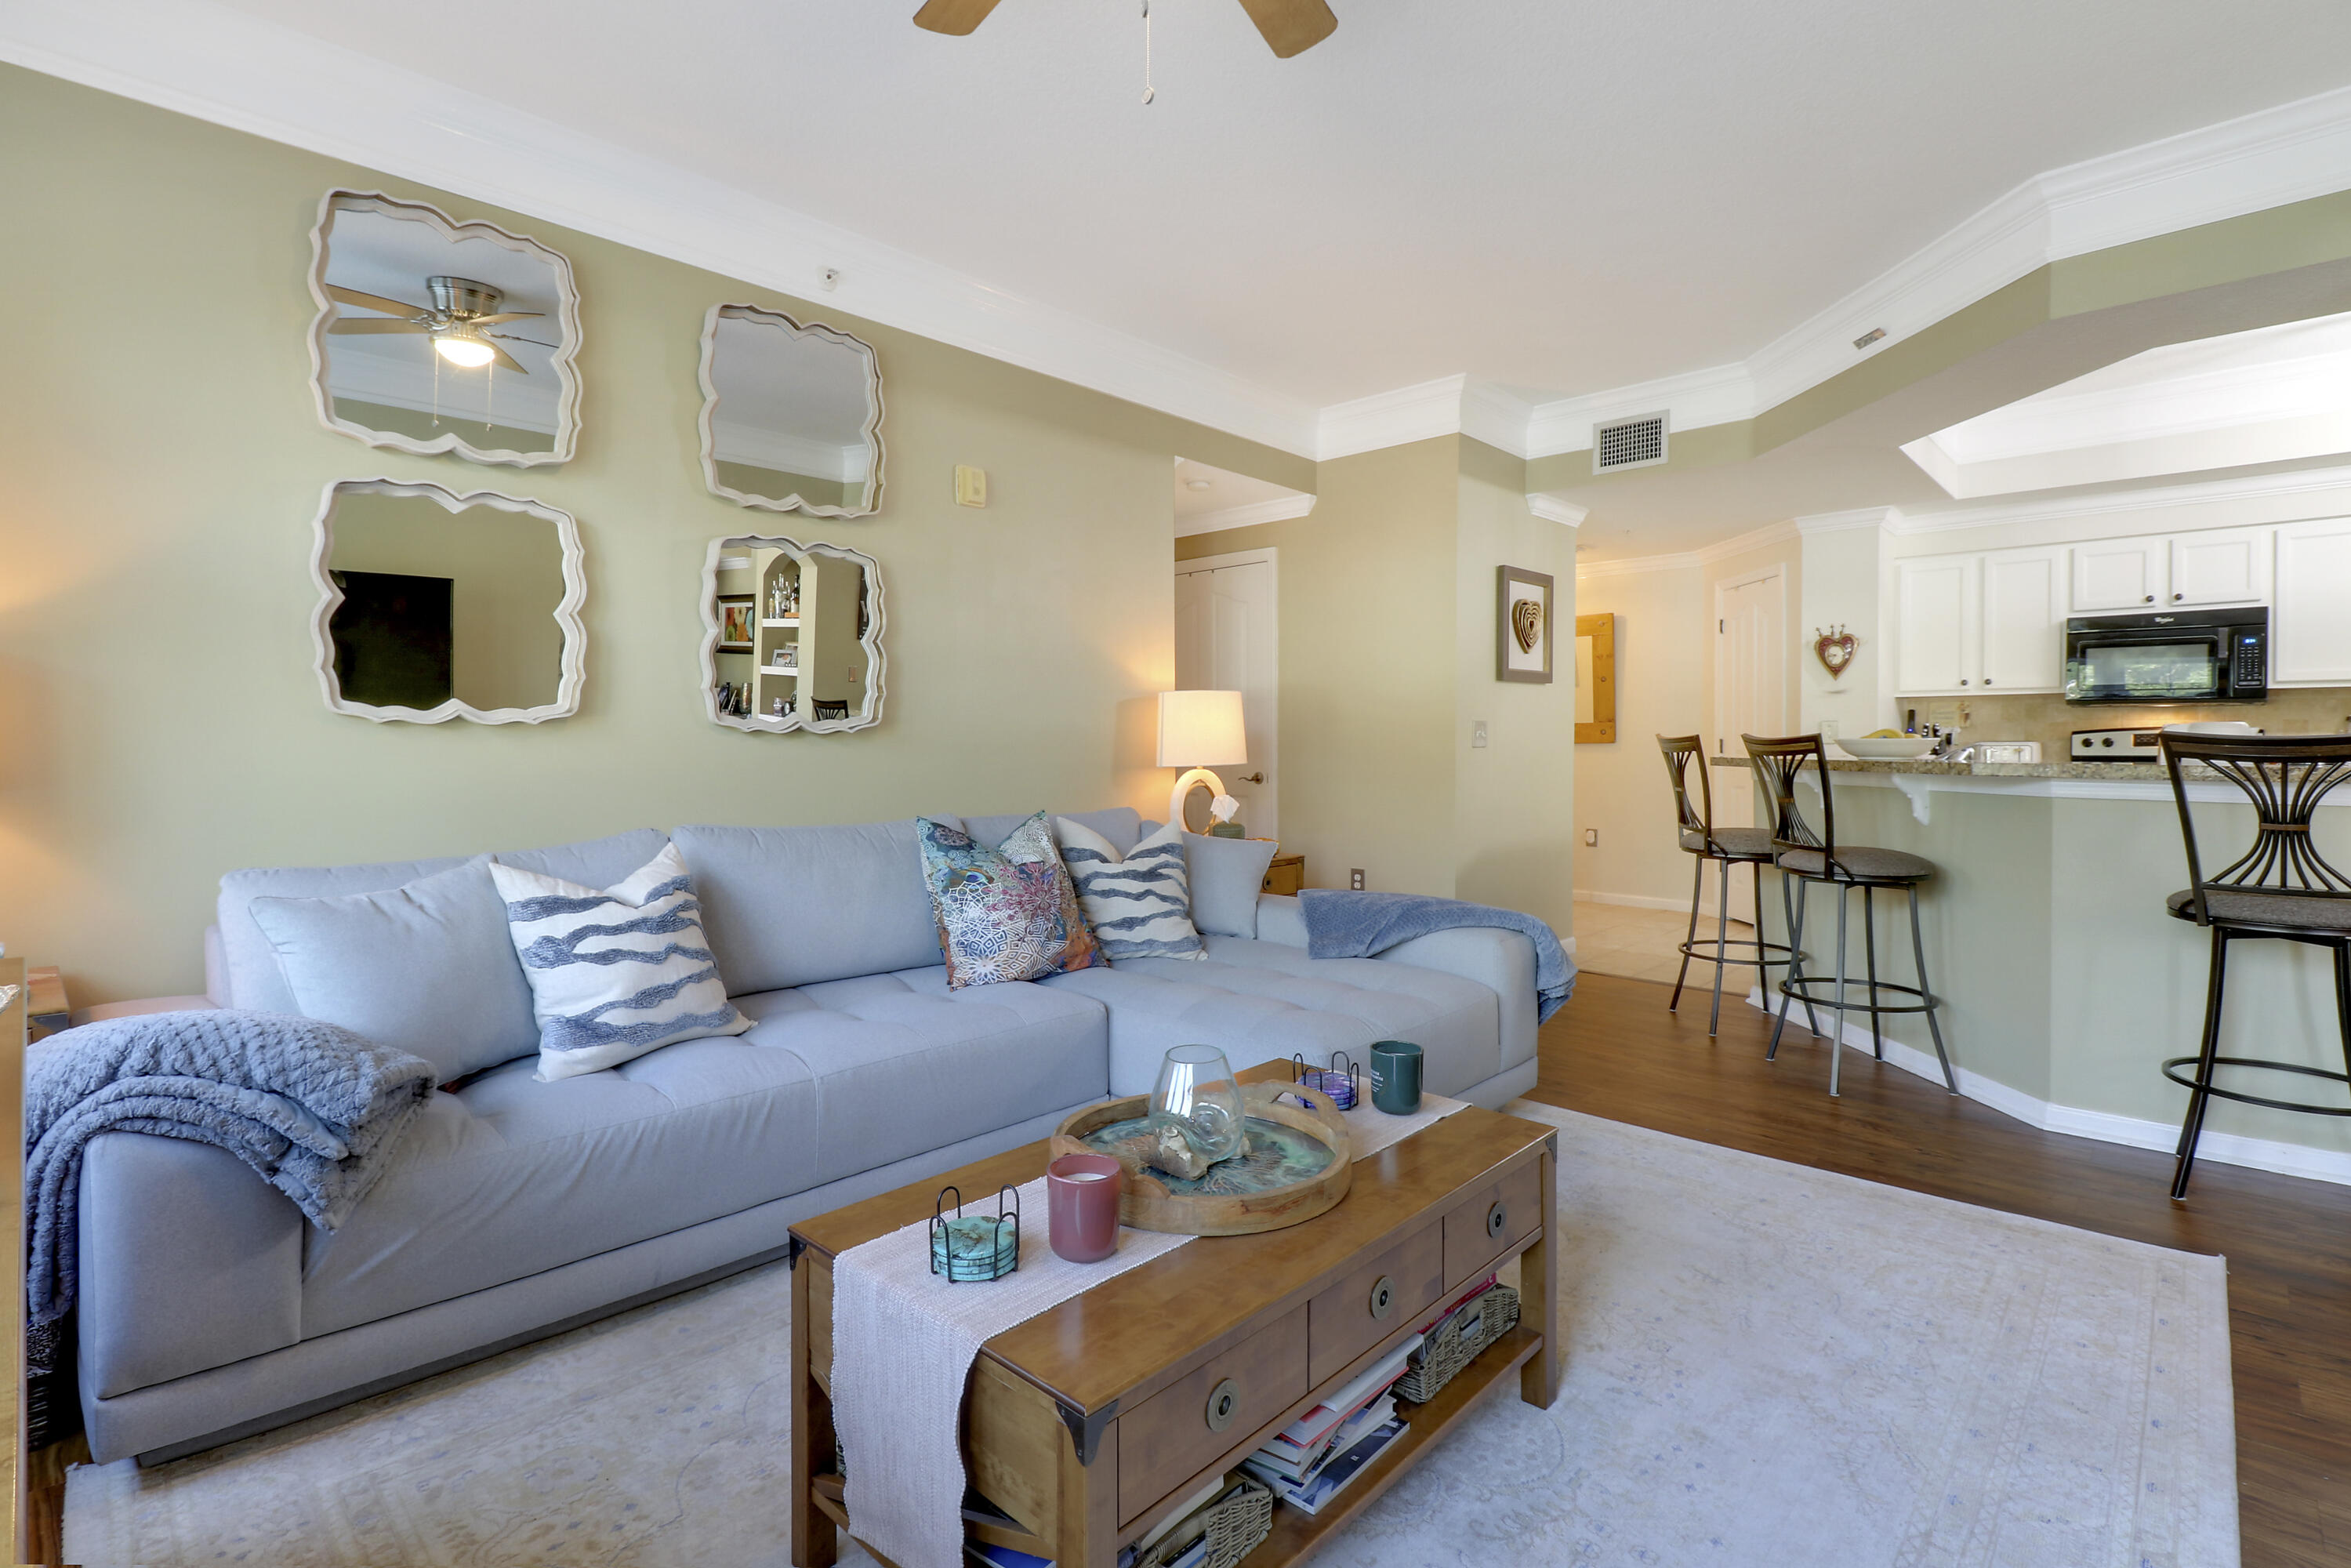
[[510, 315], [342, 295], [956, 17], [348, 325], [505, 360], [1292, 26]]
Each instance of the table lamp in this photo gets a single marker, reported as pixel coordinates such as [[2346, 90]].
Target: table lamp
[[1199, 731]]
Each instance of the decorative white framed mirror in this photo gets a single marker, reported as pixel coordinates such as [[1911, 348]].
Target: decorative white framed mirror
[[791, 636], [435, 606], [792, 416], [439, 336]]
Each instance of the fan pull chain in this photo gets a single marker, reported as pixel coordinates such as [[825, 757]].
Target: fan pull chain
[[489, 394], [432, 348], [1148, 93]]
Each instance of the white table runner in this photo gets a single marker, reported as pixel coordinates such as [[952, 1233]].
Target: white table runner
[[903, 1339]]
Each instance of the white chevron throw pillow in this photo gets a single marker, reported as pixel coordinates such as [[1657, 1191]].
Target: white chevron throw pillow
[[1140, 904], [615, 973]]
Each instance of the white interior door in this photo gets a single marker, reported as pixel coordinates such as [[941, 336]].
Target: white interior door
[[1227, 638], [1750, 697]]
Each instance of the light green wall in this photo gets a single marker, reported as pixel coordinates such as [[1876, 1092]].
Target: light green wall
[[158, 411], [1387, 657], [1662, 655], [506, 578]]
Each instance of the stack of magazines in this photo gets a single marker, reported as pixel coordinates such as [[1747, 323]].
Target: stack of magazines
[[1310, 1461]]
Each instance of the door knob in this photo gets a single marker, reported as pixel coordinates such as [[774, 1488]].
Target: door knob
[[2149, 599], [1250, 778]]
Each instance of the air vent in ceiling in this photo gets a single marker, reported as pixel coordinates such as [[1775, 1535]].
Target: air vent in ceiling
[[1636, 443]]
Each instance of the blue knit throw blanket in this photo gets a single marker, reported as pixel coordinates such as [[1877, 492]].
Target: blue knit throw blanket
[[310, 1107], [1342, 924]]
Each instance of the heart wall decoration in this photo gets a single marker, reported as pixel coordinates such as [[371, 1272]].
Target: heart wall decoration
[[1526, 623], [1835, 649]]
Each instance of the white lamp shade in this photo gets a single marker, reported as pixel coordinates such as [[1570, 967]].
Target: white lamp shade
[[1201, 729]]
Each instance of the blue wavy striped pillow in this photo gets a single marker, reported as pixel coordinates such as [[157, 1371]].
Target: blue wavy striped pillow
[[614, 974], [1139, 906]]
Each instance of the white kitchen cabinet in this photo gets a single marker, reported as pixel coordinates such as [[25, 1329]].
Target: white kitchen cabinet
[[2023, 620], [2223, 566], [2310, 624], [2120, 574], [1938, 638]]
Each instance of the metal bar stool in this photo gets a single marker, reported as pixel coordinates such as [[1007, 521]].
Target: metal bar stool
[[2281, 888], [1726, 847], [1804, 859]]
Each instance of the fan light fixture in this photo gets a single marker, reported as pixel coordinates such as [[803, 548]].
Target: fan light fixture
[[464, 350]]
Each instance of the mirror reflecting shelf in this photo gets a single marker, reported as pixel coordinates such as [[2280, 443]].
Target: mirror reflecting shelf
[[792, 416], [792, 636], [435, 606], [436, 336]]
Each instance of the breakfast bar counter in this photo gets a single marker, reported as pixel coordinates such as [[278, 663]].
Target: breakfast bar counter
[[2065, 980]]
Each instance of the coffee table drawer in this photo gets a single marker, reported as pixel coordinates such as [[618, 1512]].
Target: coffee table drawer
[[1384, 1294], [1185, 1427], [1488, 1223]]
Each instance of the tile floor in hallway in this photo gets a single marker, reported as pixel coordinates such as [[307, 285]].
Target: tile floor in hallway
[[1640, 945]]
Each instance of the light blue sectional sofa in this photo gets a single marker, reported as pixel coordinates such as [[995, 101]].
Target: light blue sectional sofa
[[512, 1208]]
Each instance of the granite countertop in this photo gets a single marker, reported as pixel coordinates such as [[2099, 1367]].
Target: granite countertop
[[2067, 769]]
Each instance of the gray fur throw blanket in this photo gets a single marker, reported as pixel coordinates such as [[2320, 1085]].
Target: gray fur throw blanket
[[310, 1107]]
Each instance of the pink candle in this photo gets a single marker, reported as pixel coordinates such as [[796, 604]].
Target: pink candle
[[1081, 1207]]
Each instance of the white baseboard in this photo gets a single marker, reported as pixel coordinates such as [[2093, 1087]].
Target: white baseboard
[[2104, 1126], [1633, 901]]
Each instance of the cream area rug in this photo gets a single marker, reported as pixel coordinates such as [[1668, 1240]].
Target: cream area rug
[[1763, 1364]]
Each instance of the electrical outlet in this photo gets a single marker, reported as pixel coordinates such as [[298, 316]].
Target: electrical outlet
[[970, 486], [1356, 880], [1829, 728], [1592, 836], [1477, 733]]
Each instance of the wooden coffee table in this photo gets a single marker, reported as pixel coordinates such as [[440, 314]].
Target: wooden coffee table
[[1085, 1421]]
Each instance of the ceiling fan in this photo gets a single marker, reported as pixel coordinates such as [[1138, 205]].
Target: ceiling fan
[[461, 308], [1291, 26]]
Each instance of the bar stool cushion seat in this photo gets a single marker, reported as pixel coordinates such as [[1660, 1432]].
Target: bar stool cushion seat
[[1857, 862], [2267, 909], [1738, 844]]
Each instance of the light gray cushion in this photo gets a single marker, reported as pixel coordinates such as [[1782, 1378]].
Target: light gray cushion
[[794, 906], [2272, 909], [426, 968], [1263, 1001], [249, 964], [1750, 842], [511, 1176], [1227, 876]]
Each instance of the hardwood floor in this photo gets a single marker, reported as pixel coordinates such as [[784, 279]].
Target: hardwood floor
[[1615, 1052]]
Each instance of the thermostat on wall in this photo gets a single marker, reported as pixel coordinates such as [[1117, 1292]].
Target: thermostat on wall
[[971, 486]]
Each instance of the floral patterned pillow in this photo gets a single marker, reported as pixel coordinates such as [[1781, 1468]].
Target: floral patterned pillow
[[1006, 913]]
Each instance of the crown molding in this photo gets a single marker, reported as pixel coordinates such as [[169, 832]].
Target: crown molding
[[1889, 518], [222, 65], [1278, 509], [1552, 510], [2266, 159], [2206, 492], [1390, 418]]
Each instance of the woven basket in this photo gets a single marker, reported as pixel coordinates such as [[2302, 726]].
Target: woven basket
[[1236, 1523], [1447, 1351]]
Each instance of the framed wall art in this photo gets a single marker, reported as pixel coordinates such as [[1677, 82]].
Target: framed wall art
[[738, 623], [1521, 625], [1595, 679]]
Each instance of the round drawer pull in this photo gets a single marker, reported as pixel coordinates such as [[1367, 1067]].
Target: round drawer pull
[[1382, 1298], [1224, 1403], [1498, 1219]]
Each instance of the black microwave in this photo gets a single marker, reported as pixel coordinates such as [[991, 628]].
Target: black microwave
[[2179, 656]]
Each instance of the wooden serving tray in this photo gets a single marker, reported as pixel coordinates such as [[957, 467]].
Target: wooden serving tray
[[1147, 1203]]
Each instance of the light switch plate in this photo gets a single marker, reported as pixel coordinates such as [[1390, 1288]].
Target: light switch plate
[[1477, 732], [970, 486]]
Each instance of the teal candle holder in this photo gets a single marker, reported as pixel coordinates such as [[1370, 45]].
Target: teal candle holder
[[974, 1247]]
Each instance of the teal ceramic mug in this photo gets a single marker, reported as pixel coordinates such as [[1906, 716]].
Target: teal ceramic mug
[[1395, 1076]]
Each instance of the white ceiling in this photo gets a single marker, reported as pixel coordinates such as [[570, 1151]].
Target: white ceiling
[[1559, 199], [1209, 498]]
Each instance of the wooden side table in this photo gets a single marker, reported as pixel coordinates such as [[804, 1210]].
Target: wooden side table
[[1285, 875], [47, 1006]]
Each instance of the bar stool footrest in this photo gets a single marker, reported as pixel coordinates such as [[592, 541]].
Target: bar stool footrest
[[1797, 989], [1691, 949], [2217, 1093]]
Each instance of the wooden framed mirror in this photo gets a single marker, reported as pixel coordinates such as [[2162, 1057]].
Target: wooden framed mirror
[[1595, 679], [439, 336], [435, 606], [791, 636]]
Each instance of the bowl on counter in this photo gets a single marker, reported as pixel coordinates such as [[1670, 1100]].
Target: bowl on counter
[[1887, 748]]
